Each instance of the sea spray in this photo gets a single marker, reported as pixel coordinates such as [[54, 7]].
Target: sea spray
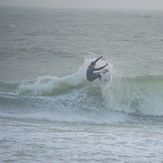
[[47, 85]]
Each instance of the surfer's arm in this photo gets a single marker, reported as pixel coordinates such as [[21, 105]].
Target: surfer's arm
[[96, 69], [98, 59]]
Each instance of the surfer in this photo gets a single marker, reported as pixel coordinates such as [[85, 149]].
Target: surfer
[[91, 75]]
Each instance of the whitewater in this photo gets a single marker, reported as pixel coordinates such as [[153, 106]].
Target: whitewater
[[49, 112]]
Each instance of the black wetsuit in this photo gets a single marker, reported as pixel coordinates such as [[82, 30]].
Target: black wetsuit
[[91, 75]]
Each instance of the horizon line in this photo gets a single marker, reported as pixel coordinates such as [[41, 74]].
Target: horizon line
[[82, 8]]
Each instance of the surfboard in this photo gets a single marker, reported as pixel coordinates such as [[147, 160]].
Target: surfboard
[[105, 81]]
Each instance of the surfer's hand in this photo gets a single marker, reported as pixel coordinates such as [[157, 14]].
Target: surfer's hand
[[98, 58]]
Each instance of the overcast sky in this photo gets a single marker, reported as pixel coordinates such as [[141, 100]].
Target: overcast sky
[[113, 4]]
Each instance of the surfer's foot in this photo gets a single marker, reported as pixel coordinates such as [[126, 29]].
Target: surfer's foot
[[105, 70]]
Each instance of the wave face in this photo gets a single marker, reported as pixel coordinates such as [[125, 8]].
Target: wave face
[[142, 95], [73, 98]]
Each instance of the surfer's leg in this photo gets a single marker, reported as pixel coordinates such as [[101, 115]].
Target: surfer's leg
[[98, 75], [94, 77]]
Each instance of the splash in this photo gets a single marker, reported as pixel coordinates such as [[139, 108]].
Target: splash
[[51, 85]]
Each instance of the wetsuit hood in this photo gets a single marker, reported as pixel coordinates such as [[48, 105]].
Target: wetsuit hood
[[93, 63]]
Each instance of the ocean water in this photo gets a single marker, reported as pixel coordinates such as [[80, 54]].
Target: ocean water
[[50, 113]]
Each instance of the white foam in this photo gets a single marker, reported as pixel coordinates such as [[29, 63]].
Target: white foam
[[47, 84]]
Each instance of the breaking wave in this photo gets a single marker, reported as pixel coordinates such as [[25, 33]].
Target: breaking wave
[[73, 98]]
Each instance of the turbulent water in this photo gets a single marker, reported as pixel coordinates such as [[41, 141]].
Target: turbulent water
[[49, 112]]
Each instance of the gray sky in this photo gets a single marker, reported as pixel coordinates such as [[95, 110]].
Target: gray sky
[[113, 4]]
